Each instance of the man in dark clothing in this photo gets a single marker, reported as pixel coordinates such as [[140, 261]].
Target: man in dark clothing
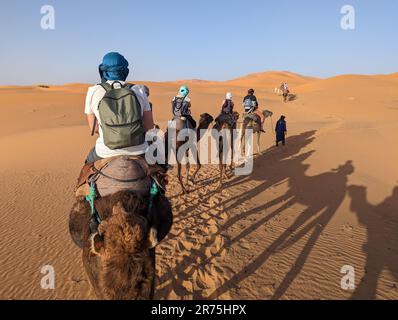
[[250, 104], [281, 130], [250, 101], [227, 109]]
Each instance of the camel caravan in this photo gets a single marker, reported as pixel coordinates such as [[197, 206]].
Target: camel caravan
[[121, 211]]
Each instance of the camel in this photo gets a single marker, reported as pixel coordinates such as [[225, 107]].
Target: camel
[[251, 123], [225, 124], [117, 249], [204, 122]]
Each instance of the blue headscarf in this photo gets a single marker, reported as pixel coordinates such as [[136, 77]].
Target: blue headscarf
[[113, 67]]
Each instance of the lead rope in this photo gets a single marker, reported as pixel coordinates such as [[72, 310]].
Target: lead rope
[[153, 193], [90, 199]]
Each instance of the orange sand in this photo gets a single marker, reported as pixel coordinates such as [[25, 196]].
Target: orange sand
[[326, 200]]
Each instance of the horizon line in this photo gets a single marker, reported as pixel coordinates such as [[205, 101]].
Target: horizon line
[[217, 81]]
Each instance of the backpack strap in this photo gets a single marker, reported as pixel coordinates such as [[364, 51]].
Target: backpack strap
[[182, 99], [107, 87], [128, 85]]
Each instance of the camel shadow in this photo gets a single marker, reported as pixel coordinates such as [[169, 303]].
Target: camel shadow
[[322, 195], [280, 165], [381, 222]]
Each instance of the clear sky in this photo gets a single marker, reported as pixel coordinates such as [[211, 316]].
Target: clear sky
[[201, 39]]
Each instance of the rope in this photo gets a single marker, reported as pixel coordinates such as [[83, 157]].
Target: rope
[[90, 199]]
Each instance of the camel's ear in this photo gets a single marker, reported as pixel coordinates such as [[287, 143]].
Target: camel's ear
[[97, 243]]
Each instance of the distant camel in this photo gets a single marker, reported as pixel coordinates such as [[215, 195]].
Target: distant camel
[[180, 124], [118, 253]]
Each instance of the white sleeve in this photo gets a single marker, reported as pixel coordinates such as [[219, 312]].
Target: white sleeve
[[87, 108], [142, 98]]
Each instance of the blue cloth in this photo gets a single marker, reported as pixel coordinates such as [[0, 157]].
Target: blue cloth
[[280, 130], [113, 67]]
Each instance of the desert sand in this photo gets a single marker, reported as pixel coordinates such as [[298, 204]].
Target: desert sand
[[327, 199]]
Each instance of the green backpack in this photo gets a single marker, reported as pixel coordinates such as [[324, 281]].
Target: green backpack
[[121, 117]]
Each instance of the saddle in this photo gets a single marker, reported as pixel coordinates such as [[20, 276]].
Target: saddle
[[251, 117], [118, 173], [224, 118]]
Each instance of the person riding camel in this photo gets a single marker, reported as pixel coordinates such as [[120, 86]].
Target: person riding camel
[[119, 134], [121, 115], [285, 91], [181, 106], [227, 110], [250, 105]]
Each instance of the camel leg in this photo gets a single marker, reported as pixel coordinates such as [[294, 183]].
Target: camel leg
[[243, 143], [188, 167], [221, 166], [231, 166], [152, 254], [258, 142], [221, 173], [184, 191], [196, 171]]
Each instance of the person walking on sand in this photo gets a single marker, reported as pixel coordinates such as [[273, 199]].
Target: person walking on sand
[[281, 130], [181, 106], [121, 138]]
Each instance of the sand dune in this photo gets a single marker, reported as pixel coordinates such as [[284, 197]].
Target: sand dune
[[327, 199], [271, 79]]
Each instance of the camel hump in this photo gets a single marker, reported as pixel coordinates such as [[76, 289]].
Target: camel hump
[[124, 173]]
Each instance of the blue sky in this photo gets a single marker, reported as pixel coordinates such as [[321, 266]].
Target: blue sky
[[206, 39]]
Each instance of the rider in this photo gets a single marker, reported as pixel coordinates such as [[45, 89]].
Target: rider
[[113, 72], [285, 87], [285, 90], [227, 109], [181, 105], [250, 105]]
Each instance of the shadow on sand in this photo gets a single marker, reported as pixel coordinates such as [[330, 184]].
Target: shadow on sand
[[321, 195], [381, 248]]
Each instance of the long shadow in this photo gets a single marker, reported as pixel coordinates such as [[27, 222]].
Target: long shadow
[[322, 195], [381, 222], [272, 168]]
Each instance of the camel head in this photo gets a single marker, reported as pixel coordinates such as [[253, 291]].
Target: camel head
[[120, 255], [205, 120], [236, 115]]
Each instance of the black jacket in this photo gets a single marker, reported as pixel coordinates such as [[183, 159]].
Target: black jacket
[[252, 97]]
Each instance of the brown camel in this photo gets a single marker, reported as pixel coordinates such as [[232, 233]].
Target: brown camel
[[117, 252], [204, 122], [251, 123], [224, 123]]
